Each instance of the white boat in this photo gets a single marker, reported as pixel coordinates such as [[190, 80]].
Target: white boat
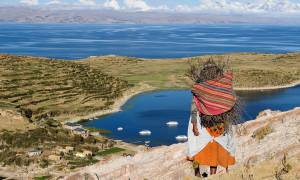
[[145, 133], [181, 138], [147, 142], [172, 123], [120, 129]]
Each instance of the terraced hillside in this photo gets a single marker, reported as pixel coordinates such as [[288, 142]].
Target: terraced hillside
[[250, 69], [44, 88]]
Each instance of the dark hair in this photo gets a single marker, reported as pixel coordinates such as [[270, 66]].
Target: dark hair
[[229, 118], [210, 69], [207, 71]]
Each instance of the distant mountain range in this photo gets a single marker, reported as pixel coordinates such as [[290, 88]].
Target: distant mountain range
[[23, 14], [264, 6]]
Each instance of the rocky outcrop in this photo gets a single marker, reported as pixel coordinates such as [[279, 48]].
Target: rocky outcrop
[[255, 145], [11, 119]]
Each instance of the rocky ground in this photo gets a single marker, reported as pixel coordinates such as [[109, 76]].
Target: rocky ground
[[267, 148]]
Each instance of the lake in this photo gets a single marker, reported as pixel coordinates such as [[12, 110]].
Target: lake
[[152, 110], [76, 41]]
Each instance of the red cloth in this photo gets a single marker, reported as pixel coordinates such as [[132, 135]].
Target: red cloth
[[214, 97]]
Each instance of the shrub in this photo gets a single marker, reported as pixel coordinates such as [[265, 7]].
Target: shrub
[[260, 133]]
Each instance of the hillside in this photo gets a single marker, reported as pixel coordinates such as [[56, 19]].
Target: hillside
[[44, 88], [250, 69], [260, 154]]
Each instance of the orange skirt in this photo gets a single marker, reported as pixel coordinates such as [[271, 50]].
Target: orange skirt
[[213, 154]]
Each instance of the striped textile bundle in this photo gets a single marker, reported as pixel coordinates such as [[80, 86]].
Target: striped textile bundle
[[214, 97]]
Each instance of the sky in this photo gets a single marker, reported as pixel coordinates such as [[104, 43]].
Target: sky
[[229, 6]]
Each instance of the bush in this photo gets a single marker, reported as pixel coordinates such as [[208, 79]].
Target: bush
[[260, 133], [44, 163]]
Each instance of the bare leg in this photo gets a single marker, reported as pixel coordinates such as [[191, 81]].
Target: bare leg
[[213, 170], [197, 172]]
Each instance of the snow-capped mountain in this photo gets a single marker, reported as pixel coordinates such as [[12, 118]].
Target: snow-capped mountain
[[279, 6], [260, 6]]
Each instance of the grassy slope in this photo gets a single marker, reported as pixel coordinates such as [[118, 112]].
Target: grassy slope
[[64, 89], [56, 88], [251, 69]]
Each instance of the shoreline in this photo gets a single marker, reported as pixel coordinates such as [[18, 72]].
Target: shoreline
[[294, 84], [116, 107]]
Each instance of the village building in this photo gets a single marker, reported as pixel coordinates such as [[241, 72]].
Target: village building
[[80, 155], [71, 126], [69, 148], [87, 153], [83, 132], [84, 154], [54, 157], [65, 150], [34, 152]]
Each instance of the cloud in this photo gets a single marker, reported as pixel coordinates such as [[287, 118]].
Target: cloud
[[87, 2], [30, 2], [54, 2], [138, 5], [183, 8], [261, 6], [112, 4]]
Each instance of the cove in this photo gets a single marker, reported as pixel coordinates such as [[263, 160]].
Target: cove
[[152, 110]]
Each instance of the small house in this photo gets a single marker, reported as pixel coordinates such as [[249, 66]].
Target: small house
[[72, 126], [54, 157], [69, 148], [84, 154], [80, 154], [87, 153], [34, 152], [80, 131]]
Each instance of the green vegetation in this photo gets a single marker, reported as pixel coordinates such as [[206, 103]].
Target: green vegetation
[[46, 91], [260, 133], [79, 162], [101, 131], [42, 177], [250, 69], [39, 136], [15, 145], [43, 88], [112, 150]]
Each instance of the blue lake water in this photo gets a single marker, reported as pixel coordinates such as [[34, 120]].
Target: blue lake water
[[152, 110], [75, 41]]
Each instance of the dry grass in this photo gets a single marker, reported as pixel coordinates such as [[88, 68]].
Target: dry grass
[[56, 88], [267, 170], [64, 89], [250, 69], [12, 120], [261, 133]]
